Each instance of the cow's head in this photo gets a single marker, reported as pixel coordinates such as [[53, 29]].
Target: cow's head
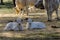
[[39, 4]]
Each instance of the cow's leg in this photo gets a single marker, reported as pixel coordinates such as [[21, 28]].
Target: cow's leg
[[57, 14], [22, 11], [49, 14]]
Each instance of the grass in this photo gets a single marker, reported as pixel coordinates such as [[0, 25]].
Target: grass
[[7, 7], [6, 11], [36, 34], [28, 36]]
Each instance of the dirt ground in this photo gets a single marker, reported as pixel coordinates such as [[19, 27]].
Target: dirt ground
[[48, 32]]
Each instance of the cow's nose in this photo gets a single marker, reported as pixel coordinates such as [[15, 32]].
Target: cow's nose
[[21, 9], [36, 6]]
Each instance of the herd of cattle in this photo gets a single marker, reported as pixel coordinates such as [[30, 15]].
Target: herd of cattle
[[49, 5]]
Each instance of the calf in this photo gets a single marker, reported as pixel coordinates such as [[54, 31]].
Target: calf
[[22, 4], [50, 6]]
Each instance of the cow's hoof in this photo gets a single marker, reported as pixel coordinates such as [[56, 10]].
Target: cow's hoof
[[57, 18], [53, 26], [49, 20]]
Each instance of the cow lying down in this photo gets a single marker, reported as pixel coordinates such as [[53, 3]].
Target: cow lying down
[[14, 25], [35, 25]]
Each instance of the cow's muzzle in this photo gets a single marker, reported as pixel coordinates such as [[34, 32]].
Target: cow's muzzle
[[40, 6]]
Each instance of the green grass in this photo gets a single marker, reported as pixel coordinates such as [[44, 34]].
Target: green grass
[[30, 36], [7, 7], [6, 11]]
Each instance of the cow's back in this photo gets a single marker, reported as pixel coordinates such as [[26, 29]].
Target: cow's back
[[32, 2], [21, 2], [51, 4], [26, 2]]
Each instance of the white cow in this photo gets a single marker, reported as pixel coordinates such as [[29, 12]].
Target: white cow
[[35, 25], [17, 25]]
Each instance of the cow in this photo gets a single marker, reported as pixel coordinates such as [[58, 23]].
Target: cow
[[14, 25], [50, 6], [34, 25], [22, 4]]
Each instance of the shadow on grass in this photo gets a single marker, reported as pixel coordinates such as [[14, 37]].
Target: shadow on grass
[[26, 37], [14, 38], [7, 5]]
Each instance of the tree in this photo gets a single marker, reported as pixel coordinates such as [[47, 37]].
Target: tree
[[1, 2], [14, 2]]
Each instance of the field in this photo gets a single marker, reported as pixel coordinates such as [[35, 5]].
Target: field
[[7, 13]]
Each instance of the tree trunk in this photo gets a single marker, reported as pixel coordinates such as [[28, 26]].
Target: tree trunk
[[14, 2], [1, 2]]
